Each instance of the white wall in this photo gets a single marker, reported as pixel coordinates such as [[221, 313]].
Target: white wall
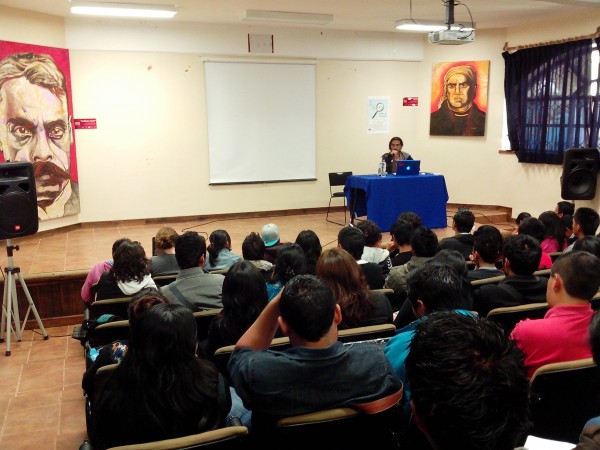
[[149, 156]]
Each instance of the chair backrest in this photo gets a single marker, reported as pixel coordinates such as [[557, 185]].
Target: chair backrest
[[543, 273], [116, 306], [338, 178], [507, 317], [164, 280], [226, 438], [203, 320], [564, 397], [490, 280], [106, 333], [367, 333], [555, 255]]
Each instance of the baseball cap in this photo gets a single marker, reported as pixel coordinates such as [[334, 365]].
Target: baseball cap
[[270, 234]]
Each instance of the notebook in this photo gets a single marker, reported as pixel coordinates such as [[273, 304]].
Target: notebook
[[408, 167]]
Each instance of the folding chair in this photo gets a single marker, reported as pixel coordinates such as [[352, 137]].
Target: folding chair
[[508, 316], [337, 179]]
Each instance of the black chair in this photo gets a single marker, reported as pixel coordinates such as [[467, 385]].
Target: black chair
[[203, 320], [227, 438], [116, 306], [164, 280], [507, 317], [337, 179], [564, 397]]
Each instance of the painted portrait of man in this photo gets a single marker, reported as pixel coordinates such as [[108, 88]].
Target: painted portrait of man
[[35, 123], [459, 99]]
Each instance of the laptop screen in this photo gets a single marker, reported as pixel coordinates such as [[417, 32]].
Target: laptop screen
[[408, 167]]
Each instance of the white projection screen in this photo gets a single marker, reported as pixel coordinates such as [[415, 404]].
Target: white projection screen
[[261, 121]]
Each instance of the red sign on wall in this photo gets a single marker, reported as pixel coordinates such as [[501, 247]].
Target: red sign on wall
[[410, 101], [85, 124]]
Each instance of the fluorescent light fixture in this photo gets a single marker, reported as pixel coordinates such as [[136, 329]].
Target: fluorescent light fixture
[[255, 15], [122, 10], [429, 25]]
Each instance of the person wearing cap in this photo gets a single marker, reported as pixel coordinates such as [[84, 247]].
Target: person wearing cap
[[270, 236]]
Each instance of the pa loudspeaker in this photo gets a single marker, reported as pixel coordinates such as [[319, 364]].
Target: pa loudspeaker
[[18, 200], [579, 174]]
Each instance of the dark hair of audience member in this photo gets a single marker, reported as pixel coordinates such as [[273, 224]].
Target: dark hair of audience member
[[588, 244], [523, 252], [437, 285], [165, 238], [455, 259], [345, 278], [311, 246], [130, 262], [142, 301], [253, 247], [565, 208], [424, 242], [307, 304], [533, 227], [289, 263], [401, 230], [588, 219], [372, 232], [468, 383], [464, 219], [218, 241], [189, 249], [521, 216], [488, 243], [555, 229], [413, 218], [580, 272], [117, 243], [161, 389], [352, 240]]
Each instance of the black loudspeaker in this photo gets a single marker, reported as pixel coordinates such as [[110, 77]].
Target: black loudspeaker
[[579, 174], [18, 200]]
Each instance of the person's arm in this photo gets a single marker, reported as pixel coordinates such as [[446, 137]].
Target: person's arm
[[261, 332]]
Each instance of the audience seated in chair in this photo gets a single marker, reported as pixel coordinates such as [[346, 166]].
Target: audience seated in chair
[[519, 219], [468, 384], [317, 372], [487, 249], [562, 335], [555, 240], [161, 389], [128, 275], [521, 256], [564, 208], [164, 261], [432, 287], [352, 240], [311, 246], [271, 237], [290, 262], [588, 244], [373, 252], [194, 288], [536, 229], [462, 224], [96, 272], [585, 223], [400, 249], [360, 307], [219, 255], [253, 251]]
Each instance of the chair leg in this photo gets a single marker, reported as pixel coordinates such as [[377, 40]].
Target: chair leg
[[331, 221]]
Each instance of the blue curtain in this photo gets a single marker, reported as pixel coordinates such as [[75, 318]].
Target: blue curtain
[[550, 105]]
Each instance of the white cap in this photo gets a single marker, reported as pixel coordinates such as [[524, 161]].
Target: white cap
[[270, 234]]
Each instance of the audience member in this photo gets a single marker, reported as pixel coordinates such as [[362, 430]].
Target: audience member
[[424, 243], [244, 297], [290, 262], [194, 288], [219, 254], [554, 240], [359, 306], [373, 251], [588, 244], [164, 261], [96, 272], [453, 258], [568, 224], [271, 238], [536, 229], [311, 246], [585, 223], [521, 256], [161, 389], [487, 249], [400, 249], [590, 435], [431, 287], [564, 209], [253, 251], [468, 384], [520, 218], [317, 372], [352, 240], [462, 224], [562, 335], [129, 273], [114, 352]]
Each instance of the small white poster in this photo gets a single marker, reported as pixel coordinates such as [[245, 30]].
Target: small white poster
[[378, 117]]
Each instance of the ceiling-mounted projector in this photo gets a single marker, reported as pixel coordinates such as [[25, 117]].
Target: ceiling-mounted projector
[[451, 37]]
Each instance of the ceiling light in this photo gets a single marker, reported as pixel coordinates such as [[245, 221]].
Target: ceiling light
[[122, 10], [429, 25], [256, 15]]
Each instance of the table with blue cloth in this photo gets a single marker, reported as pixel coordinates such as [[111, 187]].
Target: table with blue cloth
[[382, 199]]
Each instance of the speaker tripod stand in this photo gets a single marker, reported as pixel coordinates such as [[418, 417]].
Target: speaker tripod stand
[[10, 303]]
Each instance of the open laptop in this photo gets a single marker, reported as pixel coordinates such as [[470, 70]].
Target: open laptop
[[408, 167]]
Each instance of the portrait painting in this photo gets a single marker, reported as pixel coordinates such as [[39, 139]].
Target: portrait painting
[[459, 96], [36, 125]]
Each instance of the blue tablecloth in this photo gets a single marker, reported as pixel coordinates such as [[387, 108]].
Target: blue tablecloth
[[381, 199]]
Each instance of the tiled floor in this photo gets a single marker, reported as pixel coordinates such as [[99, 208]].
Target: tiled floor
[[41, 401]]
